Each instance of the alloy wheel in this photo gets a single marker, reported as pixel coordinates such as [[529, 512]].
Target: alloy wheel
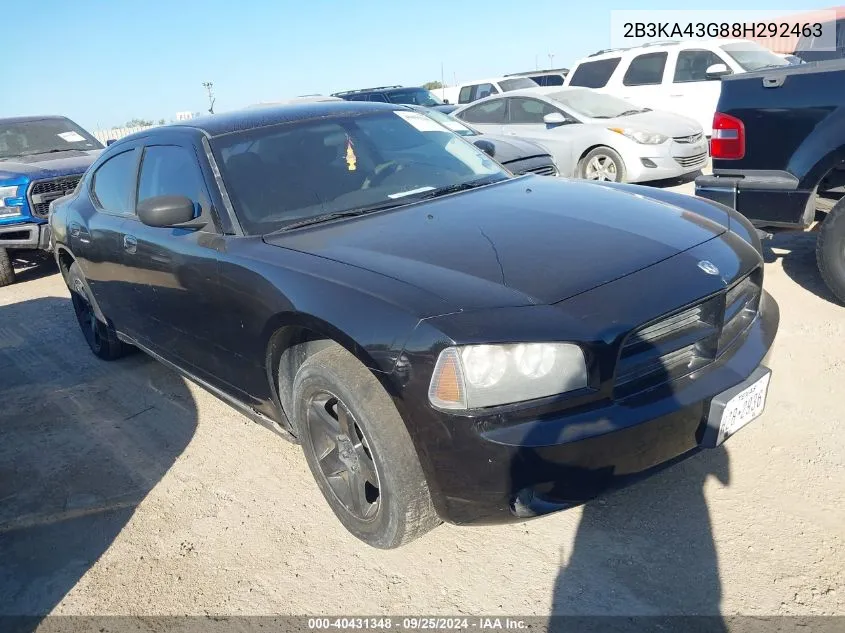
[[601, 167], [343, 455]]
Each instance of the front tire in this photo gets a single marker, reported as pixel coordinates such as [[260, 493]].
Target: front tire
[[830, 250], [359, 451], [602, 164], [7, 271], [100, 337]]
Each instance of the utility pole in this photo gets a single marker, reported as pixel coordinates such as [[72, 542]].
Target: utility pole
[[551, 60], [442, 78], [208, 86], [536, 63]]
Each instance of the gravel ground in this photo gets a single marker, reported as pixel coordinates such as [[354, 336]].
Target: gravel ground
[[126, 490]]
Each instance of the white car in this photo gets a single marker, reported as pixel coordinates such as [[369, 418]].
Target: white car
[[594, 135], [473, 90], [682, 77]]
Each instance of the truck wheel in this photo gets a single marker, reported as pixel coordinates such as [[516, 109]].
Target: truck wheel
[[359, 450], [830, 250], [7, 271], [604, 164], [100, 337]]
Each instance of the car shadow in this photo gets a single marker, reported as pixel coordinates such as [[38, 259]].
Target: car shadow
[[796, 251], [32, 265], [82, 443], [673, 182], [643, 552]]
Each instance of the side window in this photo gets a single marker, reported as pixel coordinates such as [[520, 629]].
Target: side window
[[524, 110], [692, 65], [114, 182], [378, 97], [646, 70], [356, 97], [484, 90], [465, 96], [170, 170], [594, 74], [553, 80], [490, 112]]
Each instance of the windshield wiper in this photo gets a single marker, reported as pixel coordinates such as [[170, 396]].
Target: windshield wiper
[[442, 191], [328, 217]]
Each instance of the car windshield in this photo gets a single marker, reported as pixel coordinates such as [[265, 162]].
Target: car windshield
[[751, 56], [517, 83], [462, 129], [594, 105], [40, 136], [289, 173], [414, 96]]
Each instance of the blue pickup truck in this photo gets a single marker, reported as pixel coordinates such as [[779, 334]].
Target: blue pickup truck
[[42, 158]]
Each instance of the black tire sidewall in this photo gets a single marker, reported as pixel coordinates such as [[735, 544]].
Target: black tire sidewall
[[400, 476], [109, 347], [606, 151], [830, 250], [7, 271]]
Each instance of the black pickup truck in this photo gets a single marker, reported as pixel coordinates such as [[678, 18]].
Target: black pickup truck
[[778, 150]]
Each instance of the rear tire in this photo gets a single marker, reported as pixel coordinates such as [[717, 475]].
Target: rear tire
[[602, 164], [100, 337], [830, 250], [359, 450], [7, 271]]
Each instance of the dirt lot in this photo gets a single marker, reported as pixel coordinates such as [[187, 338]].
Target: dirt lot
[[125, 490]]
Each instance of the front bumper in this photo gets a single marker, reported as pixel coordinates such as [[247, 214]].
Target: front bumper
[[27, 236], [670, 160], [490, 472]]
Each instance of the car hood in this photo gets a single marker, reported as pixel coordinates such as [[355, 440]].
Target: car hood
[[445, 107], [528, 240], [48, 165], [666, 123], [509, 149]]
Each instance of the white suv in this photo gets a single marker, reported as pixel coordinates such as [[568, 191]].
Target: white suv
[[680, 77]]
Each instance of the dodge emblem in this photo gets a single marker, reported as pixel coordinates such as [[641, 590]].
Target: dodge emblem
[[708, 267]]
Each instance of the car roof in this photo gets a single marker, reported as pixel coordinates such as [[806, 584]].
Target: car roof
[[26, 119], [250, 118], [657, 46]]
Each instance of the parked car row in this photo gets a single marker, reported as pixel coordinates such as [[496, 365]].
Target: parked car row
[[446, 340]]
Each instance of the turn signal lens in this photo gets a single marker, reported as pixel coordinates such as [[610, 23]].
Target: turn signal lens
[[447, 386]]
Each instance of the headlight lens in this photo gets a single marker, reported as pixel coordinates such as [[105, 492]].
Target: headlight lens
[[475, 376], [646, 138], [10, 203]]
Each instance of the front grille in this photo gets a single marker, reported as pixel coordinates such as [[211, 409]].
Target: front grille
[[543, 170], [42, 192], [687, 341], [693, 138], [691, 161]]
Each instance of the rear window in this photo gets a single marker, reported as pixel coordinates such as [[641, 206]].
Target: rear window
[[645, 70], [751, 56], [518, 83], [594, 74]]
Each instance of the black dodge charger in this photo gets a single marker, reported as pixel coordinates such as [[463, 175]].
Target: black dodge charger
[[447, 341]]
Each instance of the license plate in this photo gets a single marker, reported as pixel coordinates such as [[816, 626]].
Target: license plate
[[743, 407]]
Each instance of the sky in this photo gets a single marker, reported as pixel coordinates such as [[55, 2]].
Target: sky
[[104, 62]]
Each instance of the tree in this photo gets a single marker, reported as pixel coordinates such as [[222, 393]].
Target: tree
[[138, 123], [161, 121], [432, 85]]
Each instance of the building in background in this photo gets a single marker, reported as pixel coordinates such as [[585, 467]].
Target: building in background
[[184, 116], [803, 46]]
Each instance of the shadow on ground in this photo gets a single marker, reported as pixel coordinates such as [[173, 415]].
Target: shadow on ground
[[32, 265], [797, 252], [674, 182], [82, 442]]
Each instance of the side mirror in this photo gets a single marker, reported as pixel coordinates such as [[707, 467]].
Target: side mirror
[[717, 70], [169, 212], [446, 102], [554, 118], [110, 141], [486, 146]]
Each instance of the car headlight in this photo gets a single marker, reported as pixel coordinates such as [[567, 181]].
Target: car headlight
[[10, 203], [639, 136], [475, 376]]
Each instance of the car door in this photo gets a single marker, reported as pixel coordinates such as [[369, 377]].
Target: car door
[[96, 239], [176, 269], [691, 93], [474, 92], [525, 120], [487, 117], [642, 83]]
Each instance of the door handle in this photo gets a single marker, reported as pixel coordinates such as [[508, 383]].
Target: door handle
[[130, 243]]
